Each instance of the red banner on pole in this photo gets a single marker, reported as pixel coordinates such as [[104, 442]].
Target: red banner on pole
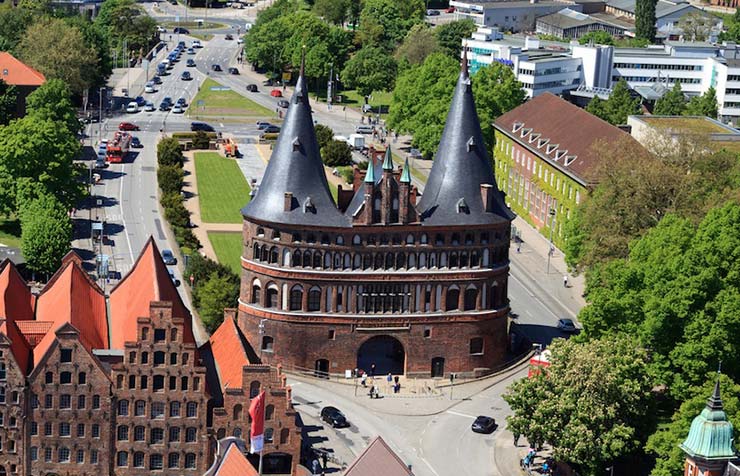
[[257, 412]]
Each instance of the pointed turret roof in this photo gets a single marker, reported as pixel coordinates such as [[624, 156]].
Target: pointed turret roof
[[370, 173], [388, 160], [711, 433], [406, 173], [295, 167], [460, 167]]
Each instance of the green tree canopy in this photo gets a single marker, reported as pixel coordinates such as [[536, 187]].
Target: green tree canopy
[[619, 105], [8, 101], [169, 152], [420, 42], [597, 37], [214, 295], [593, 405], [645, 20], [52, 101], [496, 91], [324, 135], [333, 11], [46, 234], [126, 20], [13, 24], [336, 153], [450, 35], [673, 102], [384, 23], [704, 105], [695, 26], [370, 69]]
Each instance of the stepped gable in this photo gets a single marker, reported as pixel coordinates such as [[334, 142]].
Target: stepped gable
[[452, 195], [378, 458], [72, 297], [16, 305], [147, 281], [296, 168], [231, 352]]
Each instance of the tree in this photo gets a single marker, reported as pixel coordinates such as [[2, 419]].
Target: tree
[[39, 150], [169, 152], [336, 153], [450, 35], [58, 51], [597, 37], [8, 101], [170, 179], [704, 105], [619, 105], [695, 26], [13, 25], [126, 20], [46, 234], [324, 135], [645, 20], [201, 140], [214, 295], [420, 42], [334, 11], [384, 23], [52, 101], [97, 39], [673, 102], [370, 69], [497, 91], [593, 405]]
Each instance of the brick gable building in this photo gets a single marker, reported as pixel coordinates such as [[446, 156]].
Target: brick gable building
[[414, 286], [134, 397]]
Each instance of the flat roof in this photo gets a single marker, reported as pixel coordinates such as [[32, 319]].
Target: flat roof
[[688, 124]]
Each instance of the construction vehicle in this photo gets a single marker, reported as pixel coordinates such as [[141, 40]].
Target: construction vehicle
[[230, 148], [118, 147]]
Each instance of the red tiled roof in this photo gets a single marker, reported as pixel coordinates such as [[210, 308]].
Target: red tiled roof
[[234, 463], [147, 281], [553, 121], [34, 331], [229, 353], [71, 296], [15, 72], [378, 458], [16, 305]]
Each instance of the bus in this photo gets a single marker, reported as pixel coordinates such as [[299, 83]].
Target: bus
[[538, 362]]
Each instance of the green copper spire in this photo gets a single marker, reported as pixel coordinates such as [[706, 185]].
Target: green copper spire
[[710, 436], [406, 174], [388, 161], [370, 174]]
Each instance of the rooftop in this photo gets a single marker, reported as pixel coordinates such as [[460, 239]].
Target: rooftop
[[231, 352], [15, 72], [378, 459], [719, 135]]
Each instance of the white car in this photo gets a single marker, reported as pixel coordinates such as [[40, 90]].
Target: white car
[[240, 40], [177, 109], [197, 44], [150, 107], [149, 88], [132, 107]]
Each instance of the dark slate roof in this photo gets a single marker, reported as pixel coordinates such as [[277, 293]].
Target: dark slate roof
[[460, 167], [295, 166], [375, 174]]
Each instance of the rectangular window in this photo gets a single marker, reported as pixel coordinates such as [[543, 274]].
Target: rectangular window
[[80, 430], [66, 355], [96, 402], [159, 335], [173, 382], [95, 430], [65, 401], [174, 434], [94, 457], [427, 332], [64, 429], [34, 428], [158, 410], [81, 402], [174, 409], [48, 451], [158, 383], [64, 455], [157, 436], [34, 453], [80, 456], [190, 435], [34, 401], [192, 409], [48, 401], [332, 334], [48, 429], [140, 408]]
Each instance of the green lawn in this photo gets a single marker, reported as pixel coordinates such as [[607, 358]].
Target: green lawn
[[10, 232], [379, 98], [224, 103], [228, 248], [202, 36], [191, 25], [222, 188]]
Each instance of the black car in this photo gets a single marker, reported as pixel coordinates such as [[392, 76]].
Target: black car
[[334, 417], [179, 29], [136, 143], [233, 71], [283, 103], [191, 63], [165, 106], [157, 80], [272, 129], [216, 67], [484, 424], [229, 36], [252, 88], [269, 82], [186, 76], [201, 126]]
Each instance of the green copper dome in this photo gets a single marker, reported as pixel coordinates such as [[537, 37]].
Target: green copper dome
[[710, 436]]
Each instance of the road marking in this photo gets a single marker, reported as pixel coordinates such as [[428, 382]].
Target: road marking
[[451, 412], [429, 466], [123, 220]]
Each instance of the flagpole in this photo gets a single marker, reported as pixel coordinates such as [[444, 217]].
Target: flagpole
[[264, 412]]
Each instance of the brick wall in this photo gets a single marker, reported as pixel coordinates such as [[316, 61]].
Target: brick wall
[[12, 403]]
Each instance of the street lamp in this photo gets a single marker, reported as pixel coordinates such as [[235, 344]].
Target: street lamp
[[552, 225], [261, 332]]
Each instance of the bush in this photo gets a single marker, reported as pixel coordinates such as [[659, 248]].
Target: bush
[[190, 135], [348, 175], [201, 141], [269, 136], [170, 179], [169, 152], [324, 135], [186, 239], [337, 153]]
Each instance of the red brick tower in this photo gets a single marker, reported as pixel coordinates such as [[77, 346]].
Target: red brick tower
[[416, 288]]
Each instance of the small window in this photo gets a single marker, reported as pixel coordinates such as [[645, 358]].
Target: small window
[[48, 429], [139, 433], [80, 430], [184, 383], [49, 377], [157, 436], [173, 334], [81, 402], [95, 430], [427, 332], [65, 377], [65, 401], [145, 357], [173, 383], [439, 239], [122, 433], [96, 402], [123, 408], [190, 461], [144, 382], [173, 461], [268, 435], [332, 334], [158, 410], [356, 240], [173, 358], [174, 409], [190, 435], [138, 459], [192, 410], [476, 346], [174, 435], [64, 455], [66, 355], [155, 462], [122, 458], [94, 457], [158, 358], [140, 408], [185, 358], [267, 343], [132, 357], [48, 401], [64, 429], [144, 333], [82, 378], [423, 239], [159, 335]]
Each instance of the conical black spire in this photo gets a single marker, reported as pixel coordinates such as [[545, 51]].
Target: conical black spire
[[296, 168], [452, 195], [715, 401]]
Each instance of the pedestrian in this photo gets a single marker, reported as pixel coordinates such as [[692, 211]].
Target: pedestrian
[[372, 391], [516, 439], [356, 373], [518, 248], [565, 280], [363, 380], [389, 377], [372, 370], [324, 459]]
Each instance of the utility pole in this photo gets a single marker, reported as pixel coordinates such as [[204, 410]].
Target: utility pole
[[551, 212], [261, 332], [329, 97]]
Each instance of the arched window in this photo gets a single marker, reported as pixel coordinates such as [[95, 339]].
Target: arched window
[[423, 239], [265, 254], [366, 262], [469, 239], [296, 298], [495, 295], [256, 291], [453, 260], [455, 239], [82, 378], [400, 261], [284, 436], [327, 261], [296, 237], [271, 296], [275, 235], [340, 240], [254, 388], [297, 258], [463, 260], [273, 254], [306, 259], [356, 240], [324, 239], [378, 261], [267, 343], [311, 239], [443, 259], [439, 239], [221, 434], [314, 299], [317, 259], [286, 257], [237, 412], [453, 298], [269, 412], [389, 261], [485, 257], [260, 231], [237, 432], [474, 259], [432, 260], [357, 261], [422, 260], [471, 298], [347, 261], [409, 239], [256, 251], [268, 435]]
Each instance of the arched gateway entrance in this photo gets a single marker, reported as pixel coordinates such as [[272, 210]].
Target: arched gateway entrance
[[385, 352]]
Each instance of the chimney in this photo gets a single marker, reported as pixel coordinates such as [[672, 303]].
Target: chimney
[[288, 202], [486, 194]]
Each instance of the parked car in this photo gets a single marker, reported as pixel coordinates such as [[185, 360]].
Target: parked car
[[190, 63], [271, 129], [262, 124], [334, 417], [201, 126], [432, 13], [127, 126], [179, 29], [216, 67], [252, 88], [132, 107], [186, 76], [415, 154], [484, 424], [100, 162], [233, 70], [136, 143], [175, 281], [276, 93], [229, 36], [364, 129], [567, 325], [149, 87], [283, 103], [168, 257]]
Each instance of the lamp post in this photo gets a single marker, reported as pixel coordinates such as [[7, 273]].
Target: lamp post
[[552, 225], [100, 113], [261, 332]]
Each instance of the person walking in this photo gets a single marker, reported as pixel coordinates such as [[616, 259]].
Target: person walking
[[372, 370], [389, 377], [565, 280], [363, 380]]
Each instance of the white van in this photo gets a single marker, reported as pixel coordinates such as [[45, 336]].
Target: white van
[[132, 107], [364, 129]]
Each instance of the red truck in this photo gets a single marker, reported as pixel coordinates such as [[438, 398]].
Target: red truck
[[118, 147]]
